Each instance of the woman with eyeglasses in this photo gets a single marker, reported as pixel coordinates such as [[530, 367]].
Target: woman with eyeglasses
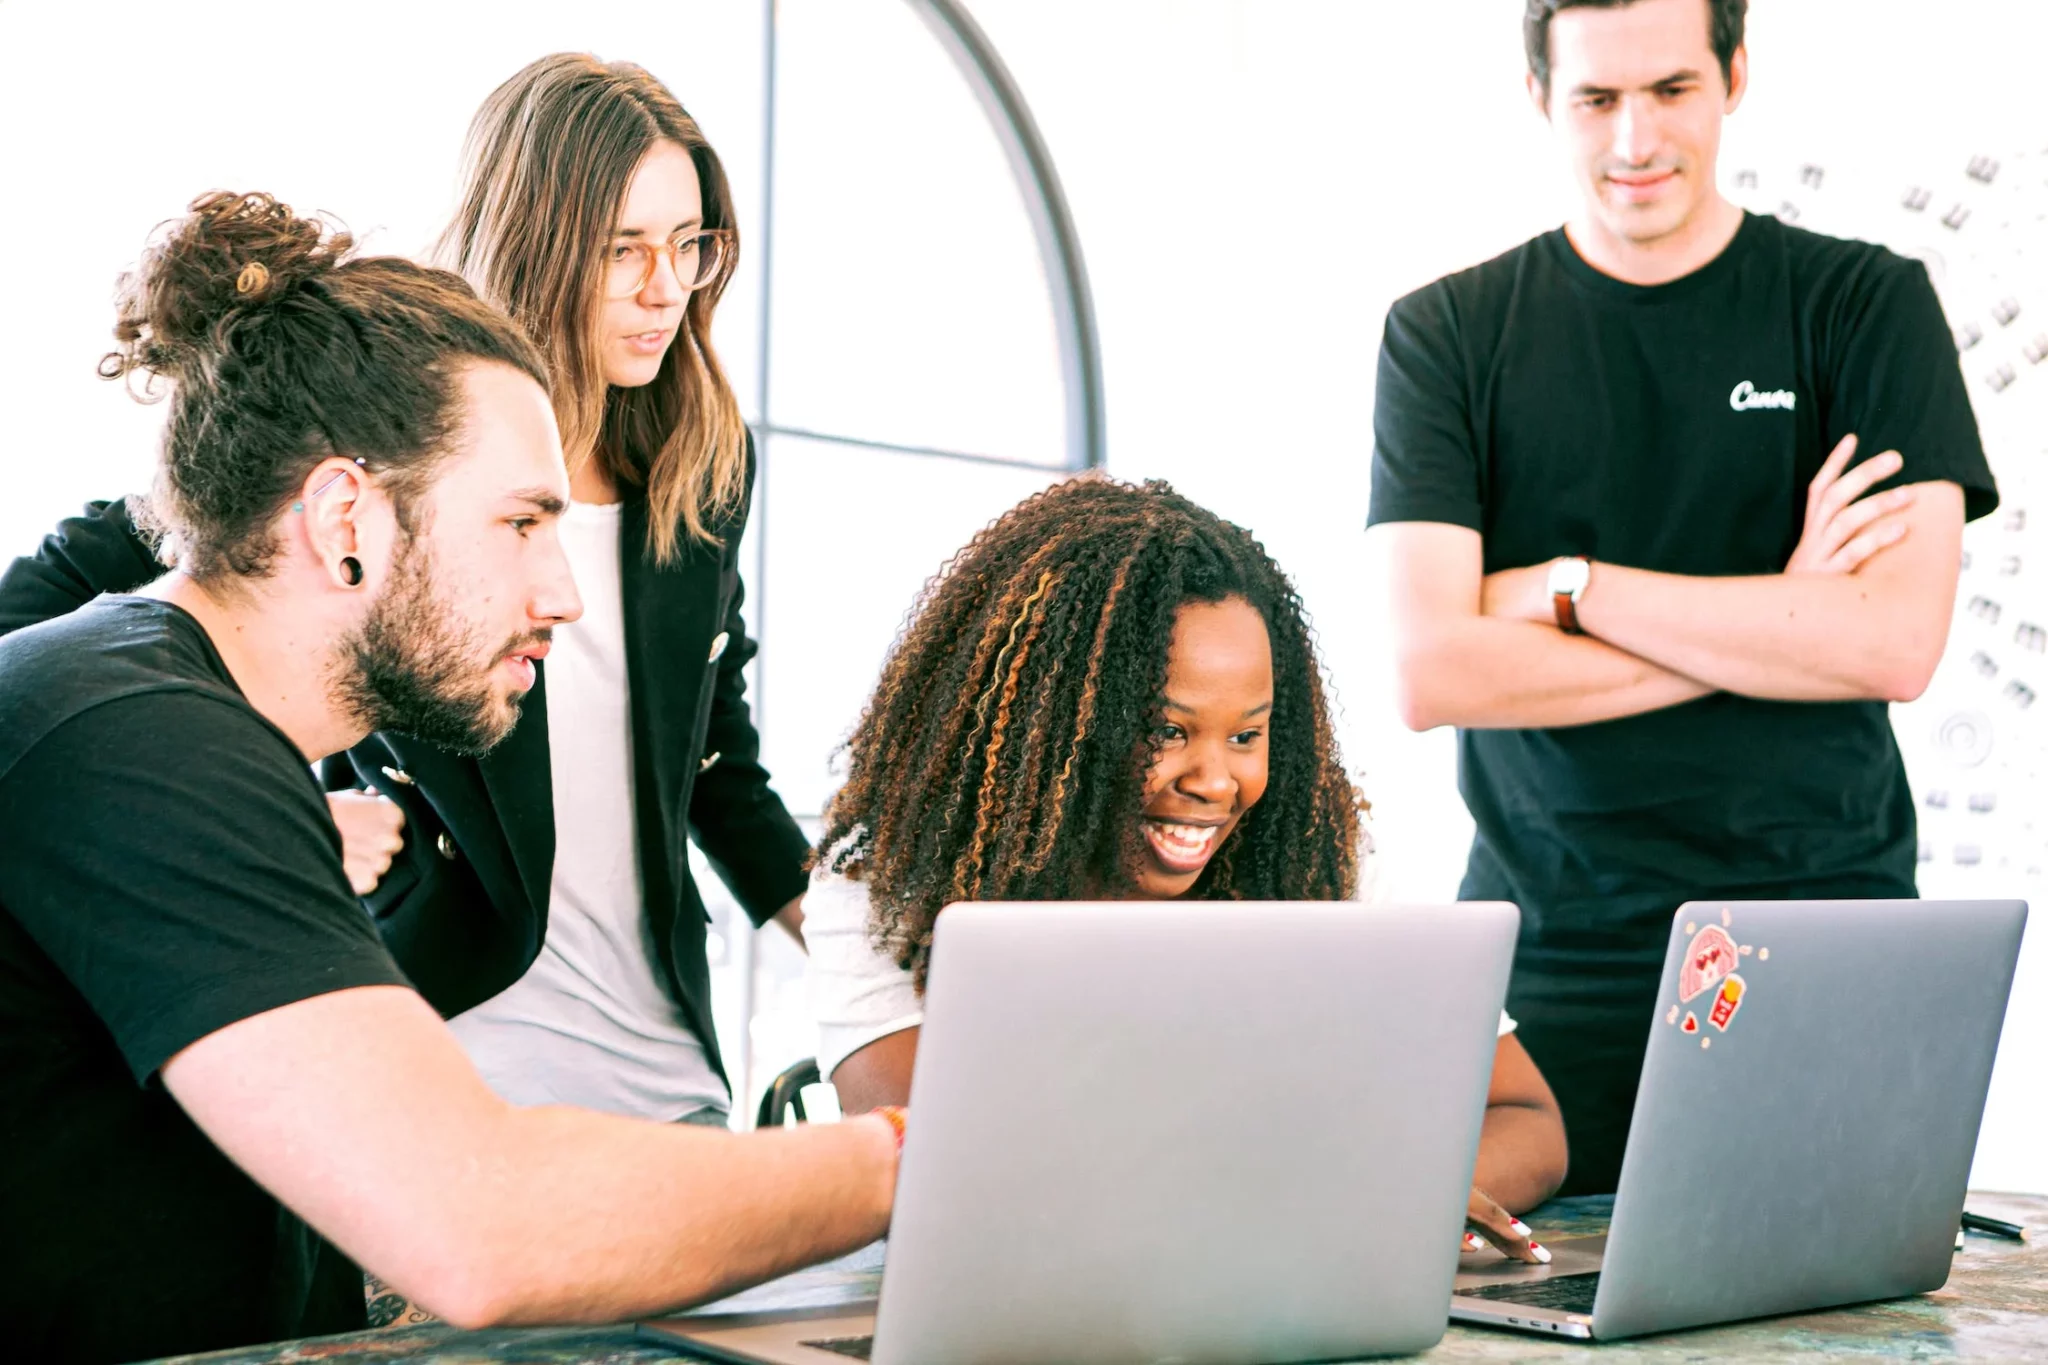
[[542, 896]]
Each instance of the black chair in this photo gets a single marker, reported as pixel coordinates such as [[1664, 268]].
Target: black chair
[[785, 1094]]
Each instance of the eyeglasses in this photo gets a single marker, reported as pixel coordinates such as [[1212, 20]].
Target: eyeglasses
[[695, 259]]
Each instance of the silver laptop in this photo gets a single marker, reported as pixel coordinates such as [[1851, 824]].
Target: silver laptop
[[1213, 1133], [1809, 1107]]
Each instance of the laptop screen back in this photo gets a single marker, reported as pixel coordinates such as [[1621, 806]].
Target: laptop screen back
[[1810, 1099], [1221, 1132]]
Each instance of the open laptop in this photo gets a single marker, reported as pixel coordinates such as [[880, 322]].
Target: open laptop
[[1214, 1133], [1809, 1107]]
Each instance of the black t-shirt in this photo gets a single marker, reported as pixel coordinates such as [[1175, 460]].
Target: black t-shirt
[[170, 869], [1556, 411]]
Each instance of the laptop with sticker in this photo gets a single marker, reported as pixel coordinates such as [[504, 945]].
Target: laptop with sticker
[[1216, 1132], [1809, 1107]]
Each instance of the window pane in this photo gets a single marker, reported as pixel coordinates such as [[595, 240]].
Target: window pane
[[852, 534], [352, 123], [908, 302]]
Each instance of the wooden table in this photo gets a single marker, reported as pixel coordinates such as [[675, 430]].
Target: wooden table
[[1994, 1307]]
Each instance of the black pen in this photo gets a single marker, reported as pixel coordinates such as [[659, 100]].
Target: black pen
[[1992, 1227]]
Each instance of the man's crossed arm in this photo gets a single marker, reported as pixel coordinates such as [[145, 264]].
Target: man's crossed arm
[[1861, 611]]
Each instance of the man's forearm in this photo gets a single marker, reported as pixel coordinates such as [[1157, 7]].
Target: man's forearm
[[359, 1110], [1785, 637], [1867, 623], [1484, 673], [571, 1230]]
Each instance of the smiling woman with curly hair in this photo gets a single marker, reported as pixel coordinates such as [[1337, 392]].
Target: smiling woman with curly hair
[[1004, 755], [1109, 693]]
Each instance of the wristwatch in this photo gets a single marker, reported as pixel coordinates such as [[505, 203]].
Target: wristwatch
[[1568, 578]]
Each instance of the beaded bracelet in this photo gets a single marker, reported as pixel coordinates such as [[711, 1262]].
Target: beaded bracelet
[[898, 1119]]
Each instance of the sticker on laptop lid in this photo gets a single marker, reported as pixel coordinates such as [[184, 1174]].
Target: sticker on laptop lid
[[1727, 1000], [1709, 964], [1710, 958]]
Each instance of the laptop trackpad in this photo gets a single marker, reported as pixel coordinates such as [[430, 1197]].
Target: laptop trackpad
[[1568, 1256]]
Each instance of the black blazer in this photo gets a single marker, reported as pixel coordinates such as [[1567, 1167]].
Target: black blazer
[[464, 906]]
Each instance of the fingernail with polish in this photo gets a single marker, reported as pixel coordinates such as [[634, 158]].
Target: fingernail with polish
[[1542, 1253], [1521, 1228], [1472, 1243]]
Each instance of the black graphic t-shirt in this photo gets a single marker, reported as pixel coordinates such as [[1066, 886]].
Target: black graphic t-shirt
[[1558, 411]]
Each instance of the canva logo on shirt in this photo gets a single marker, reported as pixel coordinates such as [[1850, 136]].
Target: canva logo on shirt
[[1748, 397]]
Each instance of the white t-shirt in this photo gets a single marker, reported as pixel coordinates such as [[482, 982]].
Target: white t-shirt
[[857, 994], [590, 1023]]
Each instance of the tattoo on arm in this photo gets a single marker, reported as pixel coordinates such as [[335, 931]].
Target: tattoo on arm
[[386, 1307]]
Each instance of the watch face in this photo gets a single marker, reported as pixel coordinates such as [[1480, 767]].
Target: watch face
[[1569, 576]]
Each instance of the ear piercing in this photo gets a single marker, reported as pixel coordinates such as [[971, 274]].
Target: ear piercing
[[300, 506], [351, 567]]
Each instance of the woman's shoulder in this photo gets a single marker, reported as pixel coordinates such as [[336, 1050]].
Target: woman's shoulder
[[857, 993], [836, 904]]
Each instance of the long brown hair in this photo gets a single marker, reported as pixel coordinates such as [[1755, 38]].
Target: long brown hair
[[282, 348], [548, 162], [1003, 756]]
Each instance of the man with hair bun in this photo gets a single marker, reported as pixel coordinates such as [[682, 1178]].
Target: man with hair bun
[[1665, 619], [204, 1039]]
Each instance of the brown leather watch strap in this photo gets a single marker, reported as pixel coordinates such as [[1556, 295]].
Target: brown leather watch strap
[[1564, 601], [1567, 613]]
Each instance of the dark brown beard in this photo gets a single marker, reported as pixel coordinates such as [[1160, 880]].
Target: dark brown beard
[[408, 668]]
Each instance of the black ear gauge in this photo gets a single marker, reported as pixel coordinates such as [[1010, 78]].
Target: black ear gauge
[[351, 571]]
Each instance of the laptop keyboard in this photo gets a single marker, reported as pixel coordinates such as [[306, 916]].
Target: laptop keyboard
[[1565, 1293], [859, 1348]]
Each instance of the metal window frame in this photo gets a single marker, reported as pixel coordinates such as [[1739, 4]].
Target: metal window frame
[[1052, 226], [1073, 304], [1052, 222]]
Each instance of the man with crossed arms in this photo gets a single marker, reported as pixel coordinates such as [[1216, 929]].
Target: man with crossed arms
[[1665, 619]]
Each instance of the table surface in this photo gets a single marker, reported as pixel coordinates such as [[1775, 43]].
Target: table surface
[[1994, 1307]]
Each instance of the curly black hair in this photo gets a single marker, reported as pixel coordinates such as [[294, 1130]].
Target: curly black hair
[[1004, 753]]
